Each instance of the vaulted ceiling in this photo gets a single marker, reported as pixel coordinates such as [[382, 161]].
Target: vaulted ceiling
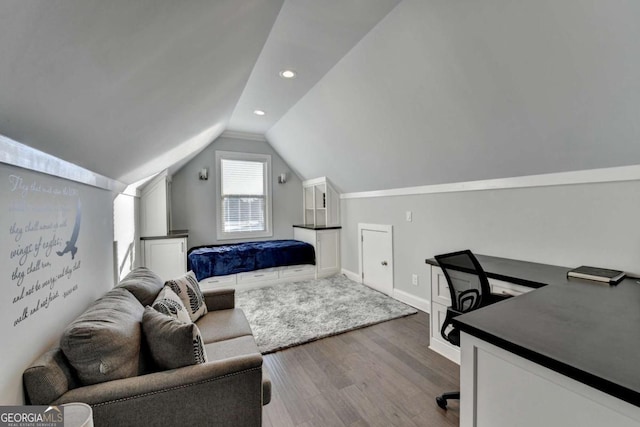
[[388, 93], [127, 88]]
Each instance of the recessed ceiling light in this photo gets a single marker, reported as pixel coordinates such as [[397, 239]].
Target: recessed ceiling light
[[259, 112], [288, 74]]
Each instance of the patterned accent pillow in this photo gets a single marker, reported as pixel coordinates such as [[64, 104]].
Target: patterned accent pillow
[[188, 289], [173, 344], [170, 304]]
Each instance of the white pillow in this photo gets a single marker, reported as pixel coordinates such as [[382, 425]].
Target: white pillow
[[167, 302], [188, 289]]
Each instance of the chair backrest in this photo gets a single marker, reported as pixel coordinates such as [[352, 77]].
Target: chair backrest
[[468, 283]]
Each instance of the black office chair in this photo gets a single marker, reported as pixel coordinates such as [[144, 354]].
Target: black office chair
[[470, 290]]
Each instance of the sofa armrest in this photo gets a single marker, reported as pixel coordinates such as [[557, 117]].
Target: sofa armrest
[[219, 299], [228, 391]]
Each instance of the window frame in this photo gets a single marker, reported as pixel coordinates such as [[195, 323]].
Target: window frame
[[252, 157]]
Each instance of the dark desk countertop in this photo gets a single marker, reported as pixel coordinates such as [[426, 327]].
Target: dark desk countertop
[[173, 234], [317, 227], [582, 329]]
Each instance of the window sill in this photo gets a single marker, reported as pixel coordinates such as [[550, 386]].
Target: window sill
[[244, 235]]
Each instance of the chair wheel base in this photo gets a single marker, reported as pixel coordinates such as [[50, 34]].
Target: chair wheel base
[[442, 402]]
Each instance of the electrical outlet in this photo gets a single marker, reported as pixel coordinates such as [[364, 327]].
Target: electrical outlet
[[414, 279], [408, 216]]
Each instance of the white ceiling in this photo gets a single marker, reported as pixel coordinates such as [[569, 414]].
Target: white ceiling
[[127, 88], [309, 36], [389, 93], [445, 91]]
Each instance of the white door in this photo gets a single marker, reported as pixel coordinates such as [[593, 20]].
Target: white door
[[377, 257]]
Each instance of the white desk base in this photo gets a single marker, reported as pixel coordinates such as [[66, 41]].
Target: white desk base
[[500, 389]]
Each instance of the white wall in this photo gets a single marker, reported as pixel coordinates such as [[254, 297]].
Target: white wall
[[126, 235], [43, 290], [193, 201], [568, 225]]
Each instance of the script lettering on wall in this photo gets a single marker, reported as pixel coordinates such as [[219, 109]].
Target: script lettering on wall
[[45, 221]]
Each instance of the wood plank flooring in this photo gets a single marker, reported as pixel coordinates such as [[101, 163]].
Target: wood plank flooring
[[382, 375]]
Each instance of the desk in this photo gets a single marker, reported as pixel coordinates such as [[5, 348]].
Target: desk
[[581, 331]]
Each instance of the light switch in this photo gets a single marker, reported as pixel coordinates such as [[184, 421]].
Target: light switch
[[408, 216]]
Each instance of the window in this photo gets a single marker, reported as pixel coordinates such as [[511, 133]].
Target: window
[[244, 195]]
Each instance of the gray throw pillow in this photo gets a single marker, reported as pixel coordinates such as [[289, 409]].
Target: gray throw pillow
[[143, 283], [173, 344], [170, 304], [103, 343], [188, 289]]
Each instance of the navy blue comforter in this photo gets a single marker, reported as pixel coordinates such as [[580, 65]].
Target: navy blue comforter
[[207, 261]]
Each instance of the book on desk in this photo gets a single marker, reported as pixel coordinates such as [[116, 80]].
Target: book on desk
[[597, 274]]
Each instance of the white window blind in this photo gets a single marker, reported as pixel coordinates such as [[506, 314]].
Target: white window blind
[[243, 195]]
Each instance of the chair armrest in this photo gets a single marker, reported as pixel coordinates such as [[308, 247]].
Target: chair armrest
[[452, 338], [192, 395], [219, 299]]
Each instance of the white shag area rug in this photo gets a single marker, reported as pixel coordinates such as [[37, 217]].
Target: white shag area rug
[[289, 314]]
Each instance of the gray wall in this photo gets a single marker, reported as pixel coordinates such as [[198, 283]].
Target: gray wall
[[571, 225], [193, 201], [447, 91], [37, 219]]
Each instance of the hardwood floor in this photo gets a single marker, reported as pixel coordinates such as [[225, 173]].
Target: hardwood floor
[[382, 375]]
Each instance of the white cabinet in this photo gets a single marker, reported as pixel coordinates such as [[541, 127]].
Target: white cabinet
[[164, 252], [321, 203], [441, 299], [502, 389], [326, 243], [166, 257], [155, 207]]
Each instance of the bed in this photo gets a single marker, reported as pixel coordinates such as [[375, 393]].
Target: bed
[[267, 257]]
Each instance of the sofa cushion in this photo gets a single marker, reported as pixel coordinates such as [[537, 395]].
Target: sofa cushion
[[103, 343], [173, 343], [143, 283], [222, 325], [170, 304], [188, 289], [231, 348], [48, 378]]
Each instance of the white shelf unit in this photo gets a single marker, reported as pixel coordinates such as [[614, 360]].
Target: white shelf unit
[[321, 203], [163, 253], [155, 207], [326, 244]]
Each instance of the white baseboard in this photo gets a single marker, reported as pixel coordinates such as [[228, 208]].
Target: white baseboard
[[447, 351], [412, 300], [405, 297], [352, 276]]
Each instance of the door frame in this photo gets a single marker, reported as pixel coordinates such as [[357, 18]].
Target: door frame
[[376, 227]]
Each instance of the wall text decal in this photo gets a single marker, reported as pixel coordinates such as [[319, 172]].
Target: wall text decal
[[44, 254]]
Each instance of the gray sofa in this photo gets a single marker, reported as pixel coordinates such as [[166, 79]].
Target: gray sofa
[[228, 390]]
